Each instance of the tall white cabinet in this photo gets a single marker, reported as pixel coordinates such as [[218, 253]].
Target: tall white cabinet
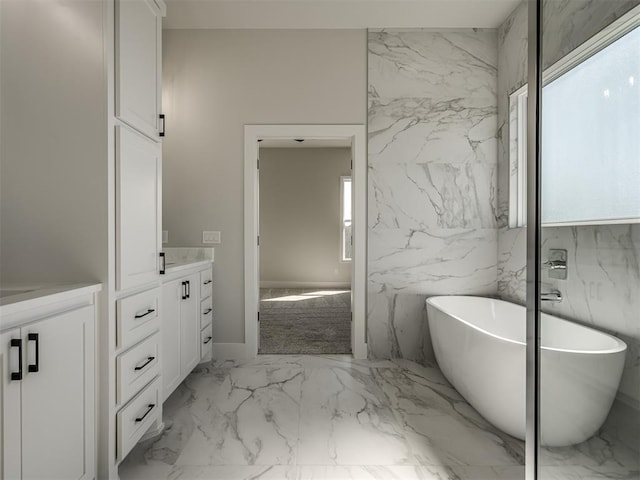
[[133, 366], [138, 40], [138, 207]]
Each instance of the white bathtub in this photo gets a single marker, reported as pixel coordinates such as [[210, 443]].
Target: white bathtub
[[479, 344]]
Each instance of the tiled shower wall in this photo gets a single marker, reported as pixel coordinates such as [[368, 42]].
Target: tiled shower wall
[[603, 284], [432, 179]]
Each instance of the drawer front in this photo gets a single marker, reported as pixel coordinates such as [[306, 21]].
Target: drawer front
[[135, 419], [206, 342], [206, 313], [138, 316], [206, 282], [137, 367]]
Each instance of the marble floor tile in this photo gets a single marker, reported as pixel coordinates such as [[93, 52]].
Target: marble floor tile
[[440, 425], [249, 418], [370, 472], [297, 417], [344, 420]]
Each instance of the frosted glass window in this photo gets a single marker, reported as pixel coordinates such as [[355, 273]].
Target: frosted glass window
[[591, 138]]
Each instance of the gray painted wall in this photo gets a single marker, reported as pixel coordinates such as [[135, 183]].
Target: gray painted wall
[[215, 82], [300, 233], [53, 145]]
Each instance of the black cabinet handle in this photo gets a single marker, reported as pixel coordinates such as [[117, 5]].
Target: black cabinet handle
[[207, 311], [162, 120], [164, 263], [208, 339], [149, 360], [207, 282], [148, 312], [33, 337], [188, 289], [184, 290], [17, 343], [149, 408]]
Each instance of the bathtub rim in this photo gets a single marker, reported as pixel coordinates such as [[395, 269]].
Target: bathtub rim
[[621, 345]]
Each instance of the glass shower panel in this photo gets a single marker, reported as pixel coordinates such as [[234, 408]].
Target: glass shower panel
[[590, 240]]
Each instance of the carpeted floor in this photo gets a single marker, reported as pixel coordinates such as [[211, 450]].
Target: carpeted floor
[[305, 321]]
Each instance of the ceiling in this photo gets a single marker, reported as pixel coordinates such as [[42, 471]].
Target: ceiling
[[349, 14]]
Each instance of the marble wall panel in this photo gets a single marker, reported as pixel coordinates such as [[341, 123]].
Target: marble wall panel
[[398, 328], [432, 210]]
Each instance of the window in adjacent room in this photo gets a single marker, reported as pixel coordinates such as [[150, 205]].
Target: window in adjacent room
[[345, 218]]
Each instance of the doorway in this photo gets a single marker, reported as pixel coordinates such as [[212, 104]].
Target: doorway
[[348, 136], [305, 246]]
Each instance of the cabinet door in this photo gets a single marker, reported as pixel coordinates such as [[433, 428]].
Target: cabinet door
[[190, 326], [138, 57], [139, 208], [58, 397], [10, 407], [171, 299]]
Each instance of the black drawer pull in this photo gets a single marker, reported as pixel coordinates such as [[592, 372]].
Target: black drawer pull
[[208, 339], [149, 408], [207, 282], [148, 312], [207, 311], [184, 290], [188, 289], [149, 360], [33, 337], [163, 268], [17, 343]]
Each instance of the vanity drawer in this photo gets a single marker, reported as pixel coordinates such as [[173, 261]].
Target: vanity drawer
[[206, 282], [137, 367], [206, 313], [135, 419], [206, 343], [137, 317]]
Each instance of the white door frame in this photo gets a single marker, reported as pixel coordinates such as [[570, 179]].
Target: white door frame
[[357, 135]]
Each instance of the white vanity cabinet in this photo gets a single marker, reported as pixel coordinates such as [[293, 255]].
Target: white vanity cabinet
[[48, 418], [206, 315], [138, 55], [182, 332]]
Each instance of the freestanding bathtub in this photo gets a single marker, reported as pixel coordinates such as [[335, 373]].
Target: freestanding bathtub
[[479, 344]]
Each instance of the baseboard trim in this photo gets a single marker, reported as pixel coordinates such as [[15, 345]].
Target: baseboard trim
[[276, 284], [230, 351]]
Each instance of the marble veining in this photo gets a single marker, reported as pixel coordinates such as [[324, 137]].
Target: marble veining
[[432, 173], [188, 254], [332, 417]]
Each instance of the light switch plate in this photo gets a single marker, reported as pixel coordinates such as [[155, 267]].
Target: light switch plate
[[165, 236], [210, 237]]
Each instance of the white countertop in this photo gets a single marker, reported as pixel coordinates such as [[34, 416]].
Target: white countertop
[[173, 267], [14, 306]]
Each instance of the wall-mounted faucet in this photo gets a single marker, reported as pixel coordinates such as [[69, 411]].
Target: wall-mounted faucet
[[557, 264]]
